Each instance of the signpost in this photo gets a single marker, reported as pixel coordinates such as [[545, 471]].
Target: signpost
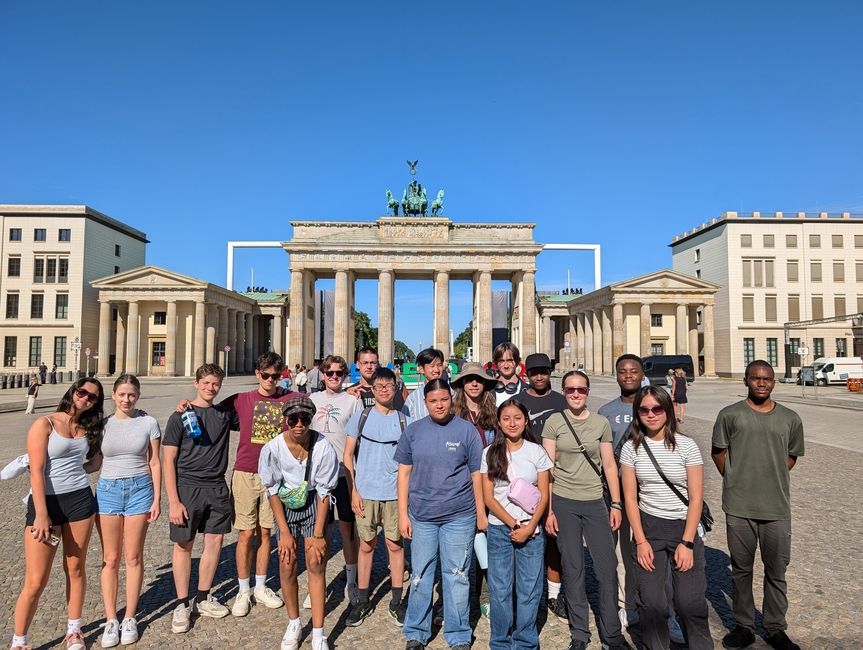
[[227, 349], [567, 349], [87, 352], [75, 346]]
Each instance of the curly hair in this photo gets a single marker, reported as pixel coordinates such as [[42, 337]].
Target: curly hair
[[90, 420]]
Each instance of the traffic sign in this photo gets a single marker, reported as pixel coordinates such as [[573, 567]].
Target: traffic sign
[[227, 348], [566, 344], [802, 351], [87, 351]]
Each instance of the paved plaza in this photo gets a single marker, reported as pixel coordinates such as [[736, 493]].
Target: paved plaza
[[824, 578]]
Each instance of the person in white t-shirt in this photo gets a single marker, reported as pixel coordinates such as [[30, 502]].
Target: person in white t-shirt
[[515, 539], [664, 528]]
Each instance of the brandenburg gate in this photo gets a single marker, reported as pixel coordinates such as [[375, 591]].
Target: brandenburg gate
[[415, 248]]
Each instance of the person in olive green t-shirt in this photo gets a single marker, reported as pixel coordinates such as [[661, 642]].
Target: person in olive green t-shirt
[[756, 442]]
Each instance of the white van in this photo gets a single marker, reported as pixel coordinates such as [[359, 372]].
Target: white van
[[835, 370]]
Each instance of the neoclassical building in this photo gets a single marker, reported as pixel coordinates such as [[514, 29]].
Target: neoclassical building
[[665, 312]]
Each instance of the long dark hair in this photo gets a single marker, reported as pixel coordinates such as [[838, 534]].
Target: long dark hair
[[487, 413], [91, 419], [496, 457], [637, 429]]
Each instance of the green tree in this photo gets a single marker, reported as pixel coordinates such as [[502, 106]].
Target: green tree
[[463, 341], [365, 334], [402, 351]]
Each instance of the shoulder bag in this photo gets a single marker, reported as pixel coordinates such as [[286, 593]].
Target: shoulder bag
[[522, 492], [606, 494], [297, 498]]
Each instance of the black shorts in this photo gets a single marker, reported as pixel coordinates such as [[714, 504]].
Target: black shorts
[[65, 508], [209, 511], [344, 512]]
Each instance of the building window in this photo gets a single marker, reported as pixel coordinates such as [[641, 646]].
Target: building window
[[793, 308], [773, 352], [814, 241], [63, 270], [697, 255], [747, 273], [39, 269], [841, 347], [837, 241], [64, 234], [698, 273], [858, 267], [748, 309], [116, 250], [791, 273], [35, 351], [10, 351], [817, 348], [769, 241], [815, 271], [790, 241], [858, 241], [62, 309], [838, 305], [14, 235], [656, 320], [794, 349], [12, 305], [51, 270], [115, 313], [745, 241], [37, 305], [768, 273], [160, 318], [748, 351], [60, 351], [838, 271], [657, 349], [758, 273], [770, 309], [860, 304], [39, 234], [817, 307], [13, 267], [158, 353], [116, 270]]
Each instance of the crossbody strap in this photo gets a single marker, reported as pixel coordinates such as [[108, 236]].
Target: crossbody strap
[[662, 474], [581, 446], [314, 437]]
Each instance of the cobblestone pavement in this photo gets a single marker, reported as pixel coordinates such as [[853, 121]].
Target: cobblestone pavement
[[824, 578]]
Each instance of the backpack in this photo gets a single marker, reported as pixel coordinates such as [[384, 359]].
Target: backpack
[[403, 424]]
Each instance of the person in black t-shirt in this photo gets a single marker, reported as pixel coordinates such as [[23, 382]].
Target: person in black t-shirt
[[367, 362]]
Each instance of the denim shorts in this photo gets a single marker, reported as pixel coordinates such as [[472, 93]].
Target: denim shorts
[[125, 496]]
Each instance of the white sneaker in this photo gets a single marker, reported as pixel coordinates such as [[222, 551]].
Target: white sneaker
[[674, 631], [181, 620], [129, 631], [307, 603], [320, 644], [75, 641], [212, 608], [242, 603], [352, 593], [111, 633], [291, 640], [268, 598]]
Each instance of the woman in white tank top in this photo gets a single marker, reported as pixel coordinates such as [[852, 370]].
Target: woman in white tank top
[[61, 505]]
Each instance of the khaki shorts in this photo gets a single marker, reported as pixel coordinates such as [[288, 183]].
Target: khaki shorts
[[251, 504], [379, 513]]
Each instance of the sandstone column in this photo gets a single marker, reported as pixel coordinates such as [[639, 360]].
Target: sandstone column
[[231, 357], [709, 344], [240, 356], [212, 329], [341, 316], [607, 355], [680, 333], [222, 336], [104, 338], [278, 335], [693, 337], [249, 336], [352, 321], [546, 338], [580, 341], [617, 334], [441, 312], [171, 339], [120, 343], [527, 314], [200, 342], [597, 341], [132, 339], [644, 350], [298, 317], [588, 342], [484, 322], [385, 317]]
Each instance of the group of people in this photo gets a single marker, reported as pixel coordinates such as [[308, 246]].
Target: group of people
[[496, 478]]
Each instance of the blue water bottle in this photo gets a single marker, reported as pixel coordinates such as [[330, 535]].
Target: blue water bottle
[[191, 424]]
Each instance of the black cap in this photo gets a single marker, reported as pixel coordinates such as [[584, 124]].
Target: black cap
[[537, 360]]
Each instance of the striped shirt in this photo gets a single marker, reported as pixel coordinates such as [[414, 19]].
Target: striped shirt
[[654, 496]]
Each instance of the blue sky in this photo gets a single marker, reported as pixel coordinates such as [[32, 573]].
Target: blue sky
[[620, 123]]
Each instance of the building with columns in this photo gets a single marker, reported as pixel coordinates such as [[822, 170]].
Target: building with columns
[[665, 312], [156, 322]]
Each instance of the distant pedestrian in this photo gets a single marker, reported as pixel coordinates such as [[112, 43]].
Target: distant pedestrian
[[54, 374], [302, 380], [286, 379], [32, 394], [756, 443], [43, 372], [314, 377], [678, 393]]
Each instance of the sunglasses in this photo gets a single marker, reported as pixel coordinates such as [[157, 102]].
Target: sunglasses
[[581, 390], [656, 410], [294, 418], [270, 375], [80, 393], [335, 373]]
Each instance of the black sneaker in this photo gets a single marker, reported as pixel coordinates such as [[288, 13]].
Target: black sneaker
[[357, 613], [577, 645], [781, 641], [415, 645], [437, 614], [461, 646], [739, 637], [617, 646], [557, 606], [398, 612]]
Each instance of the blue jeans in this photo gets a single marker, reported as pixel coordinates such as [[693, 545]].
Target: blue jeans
[[125, 496], [514, 568], [452, 541]]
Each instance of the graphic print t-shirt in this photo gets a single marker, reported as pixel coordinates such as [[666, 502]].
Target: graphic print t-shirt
[[259, 419], [540, 408], [331, 418]]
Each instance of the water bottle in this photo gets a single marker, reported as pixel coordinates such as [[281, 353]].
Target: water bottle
[[191, 424], [480, 549]]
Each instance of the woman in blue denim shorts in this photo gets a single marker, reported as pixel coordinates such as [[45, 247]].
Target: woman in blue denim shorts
[[128, 495]]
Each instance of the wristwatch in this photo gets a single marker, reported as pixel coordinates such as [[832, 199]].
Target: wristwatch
[[689, 545]]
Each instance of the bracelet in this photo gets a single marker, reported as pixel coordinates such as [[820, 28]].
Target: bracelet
[[318, 536], [616, 506], [616, 503], [644, 541]]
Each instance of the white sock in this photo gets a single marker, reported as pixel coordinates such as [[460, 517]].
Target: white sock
[[295, 621], [351, 572], [244, 584], [260, 581], [19, 640], [553, 589], [317, 633], [74, 625]]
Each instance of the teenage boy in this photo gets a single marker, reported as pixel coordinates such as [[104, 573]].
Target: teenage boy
[[541, 401], [373, 434], [756, 443], [334, 408], [367, 362], [507, 357], [430, 364], [198, 497]]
